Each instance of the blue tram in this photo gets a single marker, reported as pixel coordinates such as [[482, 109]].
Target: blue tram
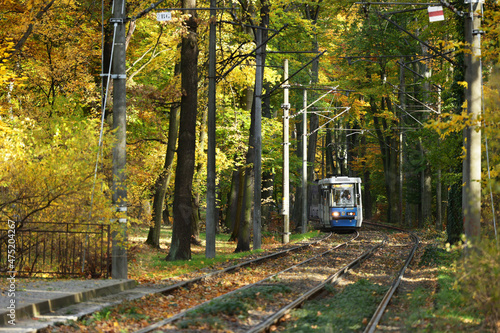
[[340, 206]]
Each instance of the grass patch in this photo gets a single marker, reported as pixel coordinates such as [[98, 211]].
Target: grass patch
[[443, 308], [445, 311], [236, 304], [344, 312], [132, 313], [104, 314], [437, 256]]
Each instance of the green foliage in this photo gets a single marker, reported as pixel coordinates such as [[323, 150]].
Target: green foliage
[[132, 312], [344, 312], [437, 256], [446, 310], [478, 277], [104, 314]]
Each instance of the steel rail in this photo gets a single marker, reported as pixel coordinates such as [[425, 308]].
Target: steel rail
[[180, 315], [372, 325]]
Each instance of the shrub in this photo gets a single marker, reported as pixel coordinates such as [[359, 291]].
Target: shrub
[[478, 276]]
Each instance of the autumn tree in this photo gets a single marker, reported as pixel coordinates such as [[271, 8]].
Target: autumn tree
[[182, 210]]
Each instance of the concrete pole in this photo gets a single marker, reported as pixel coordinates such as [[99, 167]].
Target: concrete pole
[[439, 185], [286, 158], [472, 225], [259, 69], [304, 165], [402, 101], [211, 219], [119, 187]]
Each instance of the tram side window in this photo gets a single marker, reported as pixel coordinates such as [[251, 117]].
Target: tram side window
[[335, 196]]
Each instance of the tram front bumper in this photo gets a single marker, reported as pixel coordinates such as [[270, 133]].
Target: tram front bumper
[[343, 223]]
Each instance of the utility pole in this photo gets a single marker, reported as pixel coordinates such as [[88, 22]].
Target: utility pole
[[402, 101], [257, 211], [304, 165], [119, 249], [211, 219], [286, 158], [472, 168]]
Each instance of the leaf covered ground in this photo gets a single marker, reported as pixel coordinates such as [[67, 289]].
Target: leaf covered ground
[[428, 300]]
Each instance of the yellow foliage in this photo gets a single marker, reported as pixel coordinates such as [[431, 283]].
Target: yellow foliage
[[47, 171]]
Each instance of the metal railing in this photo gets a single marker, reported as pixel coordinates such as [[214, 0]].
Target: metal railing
[[55, 249]]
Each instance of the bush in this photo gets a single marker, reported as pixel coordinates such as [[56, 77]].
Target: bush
[[478, 277]]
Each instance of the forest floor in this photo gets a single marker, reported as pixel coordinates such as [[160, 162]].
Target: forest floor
[[427, 299]]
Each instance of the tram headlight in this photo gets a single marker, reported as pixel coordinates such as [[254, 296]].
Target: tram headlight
[[335, 214], [351, 213]]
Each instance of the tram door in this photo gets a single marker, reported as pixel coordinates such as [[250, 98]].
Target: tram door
[[325, 205]]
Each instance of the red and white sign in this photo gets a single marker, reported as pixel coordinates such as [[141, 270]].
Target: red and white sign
[[435, 13]]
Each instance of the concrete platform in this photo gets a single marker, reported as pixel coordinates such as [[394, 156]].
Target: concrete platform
[[39, 304]]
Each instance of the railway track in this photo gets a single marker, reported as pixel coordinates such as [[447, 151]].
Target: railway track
[[372, 325], [272, 298], [262, 293], [262, 285], [180, 294], [392, 257]]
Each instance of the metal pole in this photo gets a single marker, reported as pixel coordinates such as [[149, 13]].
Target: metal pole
[[472, 224], [304, 165], [286, 179], [211, 219], [119, 250], [402, 100], [258, 144]]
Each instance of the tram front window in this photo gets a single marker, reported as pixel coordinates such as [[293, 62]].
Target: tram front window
[[342, 196]]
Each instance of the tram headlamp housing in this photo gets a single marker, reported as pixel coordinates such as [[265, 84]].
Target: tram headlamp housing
[[351, 213], [335, 214]]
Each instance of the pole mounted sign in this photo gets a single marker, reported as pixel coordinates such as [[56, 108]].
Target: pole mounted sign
[[164, 16], [435, 13]]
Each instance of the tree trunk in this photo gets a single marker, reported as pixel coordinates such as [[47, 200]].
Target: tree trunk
[[454, 225], [195, 223], [247, 177], [239, 204], [439, 202], [199, 166], [246, 213], [329, 154], [163, 180], [232, 201], [388, 146], [180, 248], [313, 118], [367, 197]]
